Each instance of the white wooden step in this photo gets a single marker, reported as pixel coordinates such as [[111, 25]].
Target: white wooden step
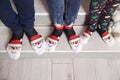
[[95, 43], [42, 14]]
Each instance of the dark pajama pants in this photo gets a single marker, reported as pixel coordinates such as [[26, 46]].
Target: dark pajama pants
[[101, 12]]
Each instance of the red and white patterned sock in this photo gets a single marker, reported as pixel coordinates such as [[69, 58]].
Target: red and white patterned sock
[[85, 36], [52, 40], [73, 39], [37, 42], [15, 45], [108, 38]]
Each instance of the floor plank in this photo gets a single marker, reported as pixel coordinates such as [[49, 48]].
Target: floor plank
[[84, 69], [4, 69], [60, 69], [41, 69], [118, 67], [20, 69], [62, 72], [62, 60], [106, 69]]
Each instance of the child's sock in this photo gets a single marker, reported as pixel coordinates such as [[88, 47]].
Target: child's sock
[[86, 36], [56, 33], [69, 31], [37, 42], [52, 40], [73, 39], [108, 38], [15, 45]]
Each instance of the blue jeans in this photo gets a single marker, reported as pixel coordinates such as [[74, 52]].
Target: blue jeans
[[63, 11], [23, 20]]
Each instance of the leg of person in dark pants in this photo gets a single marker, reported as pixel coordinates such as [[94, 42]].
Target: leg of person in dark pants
[[26, 13], [20, 22]]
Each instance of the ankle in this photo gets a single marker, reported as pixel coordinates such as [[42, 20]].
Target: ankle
[[70, 32], [16, 37], [54, 37], [73, 37], [68, 27], [31, 33], [57, 32]]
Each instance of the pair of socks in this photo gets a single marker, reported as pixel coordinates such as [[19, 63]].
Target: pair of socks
[[53, 39], [14, 46], [106, 37]]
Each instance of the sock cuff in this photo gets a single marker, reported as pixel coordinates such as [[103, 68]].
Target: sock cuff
[[31, 33], [54, 37], [59, 28], [16, 37], [35, 37], [68, 27], [57, 32], [73, 37], [88, 32], [15, 42], [104, 34]]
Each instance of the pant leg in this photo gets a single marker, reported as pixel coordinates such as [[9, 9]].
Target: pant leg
[[72, 8], [106, 15], [96, 7], [26, 13], [56, 9], [9, 17]]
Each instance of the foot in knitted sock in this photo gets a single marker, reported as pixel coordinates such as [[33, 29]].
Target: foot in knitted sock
[[85, 36], [15, 45], [108, 38], [74, 40], [37, 42], [53, 39]]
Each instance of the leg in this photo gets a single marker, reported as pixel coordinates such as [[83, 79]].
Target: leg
[[104, 20], [11, 20], [71, 11], [72, 8], [106, 15], [56, 9], [96, 7], [9, 17], [26, 14]]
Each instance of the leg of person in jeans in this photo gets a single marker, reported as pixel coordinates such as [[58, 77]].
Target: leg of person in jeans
[[104, 20], [12, 21], [56, 9], [71, 11], [26, 14], [96, 6]]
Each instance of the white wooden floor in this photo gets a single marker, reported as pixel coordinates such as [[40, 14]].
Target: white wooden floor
[[60, 69]]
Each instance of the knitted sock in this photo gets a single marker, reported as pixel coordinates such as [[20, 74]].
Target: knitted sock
[[15, 45], [107, 38], [70, 33], [86, 36], [16, 38], [52, 40], [56, 33], [73, 39], [33, 35], [37, 42], [88, 32], [104, 34]]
